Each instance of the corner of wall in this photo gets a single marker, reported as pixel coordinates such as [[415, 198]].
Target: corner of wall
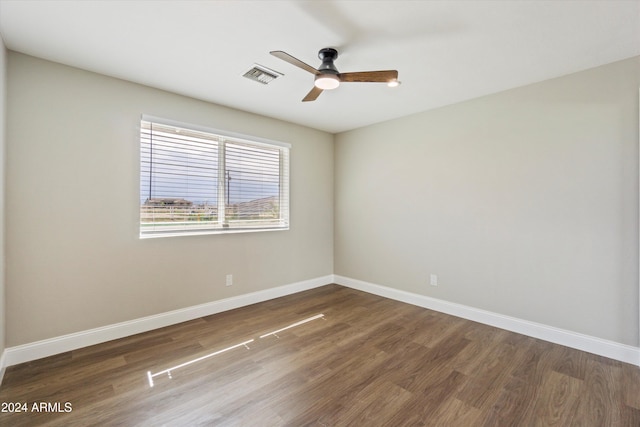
[[3, 136]]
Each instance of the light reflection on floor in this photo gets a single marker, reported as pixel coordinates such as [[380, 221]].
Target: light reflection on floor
[[245, 344]]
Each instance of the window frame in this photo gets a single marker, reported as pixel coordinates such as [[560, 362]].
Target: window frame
[[221, 225]]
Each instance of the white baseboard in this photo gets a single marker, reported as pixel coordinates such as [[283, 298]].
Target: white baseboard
[[36, 350], [601, 347], [3, 366], [49, 347]]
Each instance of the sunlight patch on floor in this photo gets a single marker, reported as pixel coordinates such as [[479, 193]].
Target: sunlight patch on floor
[[245, 344]]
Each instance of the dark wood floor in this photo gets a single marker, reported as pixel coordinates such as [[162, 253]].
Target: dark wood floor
[[369, 362]]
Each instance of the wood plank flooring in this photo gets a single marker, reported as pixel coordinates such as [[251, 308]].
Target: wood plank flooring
[[369, 361]]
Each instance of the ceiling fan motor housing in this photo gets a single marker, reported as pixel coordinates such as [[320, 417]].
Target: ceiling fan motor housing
[[328, 55]]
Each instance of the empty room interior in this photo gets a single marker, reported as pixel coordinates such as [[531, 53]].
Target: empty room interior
[[322, 213]]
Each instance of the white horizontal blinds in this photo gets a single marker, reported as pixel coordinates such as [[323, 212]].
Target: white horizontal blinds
[[195, 181], [178, 178], [284, 187], [254, 185]]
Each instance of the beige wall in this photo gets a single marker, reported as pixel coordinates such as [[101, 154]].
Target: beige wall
[[524, 203], [74, 259], [3, 91]]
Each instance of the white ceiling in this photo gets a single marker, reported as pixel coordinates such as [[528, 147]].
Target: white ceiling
[[445, 51]]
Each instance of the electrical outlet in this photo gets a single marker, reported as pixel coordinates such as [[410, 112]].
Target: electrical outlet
[[229, 280], [433, 280]]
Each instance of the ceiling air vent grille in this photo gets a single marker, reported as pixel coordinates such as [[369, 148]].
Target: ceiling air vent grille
[[262, 74]]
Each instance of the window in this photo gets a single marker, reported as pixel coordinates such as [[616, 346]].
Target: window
[[199, 181]]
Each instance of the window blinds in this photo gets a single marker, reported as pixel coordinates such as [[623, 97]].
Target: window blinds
[[194, 182]]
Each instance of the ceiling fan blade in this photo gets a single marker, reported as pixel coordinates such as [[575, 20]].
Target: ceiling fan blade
[[383, 76], [293, 61], [312, 95]]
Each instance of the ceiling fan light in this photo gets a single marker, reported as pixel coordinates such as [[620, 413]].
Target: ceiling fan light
[[393, 83], [326, 81]]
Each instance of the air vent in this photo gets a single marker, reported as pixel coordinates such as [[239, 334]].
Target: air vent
[[262, 74]]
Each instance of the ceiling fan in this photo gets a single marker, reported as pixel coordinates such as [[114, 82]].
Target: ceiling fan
[[328, 77]]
